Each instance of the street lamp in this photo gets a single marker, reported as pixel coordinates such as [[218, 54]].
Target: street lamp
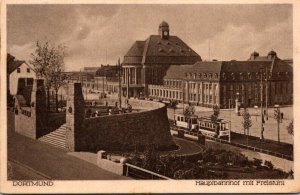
[[237, 104], [277, 116], [261, 103], [229, 136]]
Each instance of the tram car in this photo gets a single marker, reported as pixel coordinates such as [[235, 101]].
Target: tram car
[[189, 123], [208, 128]]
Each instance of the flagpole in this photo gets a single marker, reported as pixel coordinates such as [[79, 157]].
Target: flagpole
[[120, 88]]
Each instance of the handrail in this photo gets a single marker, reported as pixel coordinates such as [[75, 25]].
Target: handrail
[[147, 171]]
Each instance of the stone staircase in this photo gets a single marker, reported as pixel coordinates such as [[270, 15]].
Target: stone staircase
[[56, 138]]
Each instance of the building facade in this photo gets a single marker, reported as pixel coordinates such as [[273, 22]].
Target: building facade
[[266, 78], [147, 62]]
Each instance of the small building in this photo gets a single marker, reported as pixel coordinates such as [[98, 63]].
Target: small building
[[18, 71]]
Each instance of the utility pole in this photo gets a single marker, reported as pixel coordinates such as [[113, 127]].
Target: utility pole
[[267, 117], [277, 116], [229, 136], [261, 104], [120, 88], [183, 96], [86, 86]]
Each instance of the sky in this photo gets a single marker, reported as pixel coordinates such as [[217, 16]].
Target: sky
[[101, 34]]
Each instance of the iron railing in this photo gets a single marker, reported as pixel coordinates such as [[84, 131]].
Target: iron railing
[[140, 173]]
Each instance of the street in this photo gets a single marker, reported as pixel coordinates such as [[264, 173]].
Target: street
[[270, 131]]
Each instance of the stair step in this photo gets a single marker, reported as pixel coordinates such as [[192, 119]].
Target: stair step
[[56, 143], [56, 138], [63, 139]]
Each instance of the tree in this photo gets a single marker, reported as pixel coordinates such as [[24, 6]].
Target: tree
[[247, 123], [48, 62], [214, 117], [188, 112], [290, 128]]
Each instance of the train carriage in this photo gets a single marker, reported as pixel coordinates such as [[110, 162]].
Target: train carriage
[[189, 123], [208, 128]]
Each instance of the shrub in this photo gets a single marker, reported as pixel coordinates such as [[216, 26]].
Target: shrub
[[257, 162], [269, 164]]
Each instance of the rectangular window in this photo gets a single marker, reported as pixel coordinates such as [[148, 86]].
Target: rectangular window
[[28, 70], [18, 70]]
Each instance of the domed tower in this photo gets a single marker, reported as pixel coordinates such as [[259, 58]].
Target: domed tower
[[272, 54], [163, 30], [254, 55]]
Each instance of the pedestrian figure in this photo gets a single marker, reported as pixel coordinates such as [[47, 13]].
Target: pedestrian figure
[[129, 108]]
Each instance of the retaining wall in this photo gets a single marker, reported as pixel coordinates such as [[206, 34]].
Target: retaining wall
[[120, 131]]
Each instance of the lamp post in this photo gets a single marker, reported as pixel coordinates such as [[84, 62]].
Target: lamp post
[[237, 104], [256, 112], [277, 116], [229, 136], [261, 103]]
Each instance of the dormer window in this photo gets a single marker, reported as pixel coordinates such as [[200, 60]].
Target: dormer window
[[199, 75], [241, 76], [232, 76], [216, 75], [195, 76], [249, 75], [224, 76]]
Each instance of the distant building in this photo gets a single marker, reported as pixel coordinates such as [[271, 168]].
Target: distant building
[[87, 79], [220, 82], [90, 69], [19, 74], [107, 78], [146, 62]]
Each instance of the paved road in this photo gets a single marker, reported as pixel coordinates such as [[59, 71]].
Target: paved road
[[53, 162]]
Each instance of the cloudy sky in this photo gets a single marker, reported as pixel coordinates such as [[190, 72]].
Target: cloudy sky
[[99, 34]]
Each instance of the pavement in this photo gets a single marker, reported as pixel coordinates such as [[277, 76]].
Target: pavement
[[236, 121]]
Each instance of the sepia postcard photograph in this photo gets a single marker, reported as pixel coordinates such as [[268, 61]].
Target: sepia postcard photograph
[[149, 97]]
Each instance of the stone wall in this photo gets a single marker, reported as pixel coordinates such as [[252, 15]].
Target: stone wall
[[117, 132], [30, 120]]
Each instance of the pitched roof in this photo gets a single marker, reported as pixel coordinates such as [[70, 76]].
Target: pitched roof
[[177, 71], [13, 65], [220, 67], [161, 51]]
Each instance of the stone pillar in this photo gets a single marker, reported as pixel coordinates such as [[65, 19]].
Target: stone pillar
[[38, 106], [218, 88], [74, 115], [201, 92], [135, 75], [213, 94]]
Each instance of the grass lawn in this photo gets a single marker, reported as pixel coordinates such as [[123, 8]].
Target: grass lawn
[[274, 146]]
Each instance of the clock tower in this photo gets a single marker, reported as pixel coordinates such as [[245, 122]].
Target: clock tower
[[164, 30]]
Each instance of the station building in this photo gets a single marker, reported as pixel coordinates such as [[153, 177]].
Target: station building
[[206, 83], [146, 62]]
